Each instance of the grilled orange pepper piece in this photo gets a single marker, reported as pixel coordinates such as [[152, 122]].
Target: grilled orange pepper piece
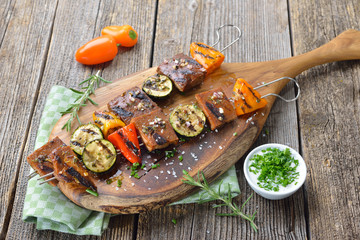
[[246, 98], [107, 122], [207, 56]]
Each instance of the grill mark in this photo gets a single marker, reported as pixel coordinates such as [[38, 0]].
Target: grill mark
[[242, 108], [78, 176], [132, 146], [193, 62], [252, 92], [58, 158], [202, 45], [65, 178], [159, 139], [121, 112], [214, 110], [75, 143], [46, 168], [205, 56], [139, 95], [105, 148], [102, 115], [247, 105], [41, 158], [192, 128], [89, 131]]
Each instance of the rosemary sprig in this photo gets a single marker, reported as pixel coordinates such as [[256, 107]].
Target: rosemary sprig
[[216, 195], [92, 81]]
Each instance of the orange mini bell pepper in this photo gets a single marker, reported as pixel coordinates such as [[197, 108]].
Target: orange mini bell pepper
[[246, 98], [107, 122], [125, 139], [207, 56]]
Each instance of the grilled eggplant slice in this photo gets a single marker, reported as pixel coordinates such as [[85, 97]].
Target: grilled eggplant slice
[[99, 155], [83, 135], [187, 120], [157, 86]]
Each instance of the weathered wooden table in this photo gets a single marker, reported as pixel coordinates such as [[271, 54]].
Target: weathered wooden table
[[38, 40]]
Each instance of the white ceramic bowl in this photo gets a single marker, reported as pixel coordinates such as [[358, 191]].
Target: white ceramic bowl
[[283, 192]]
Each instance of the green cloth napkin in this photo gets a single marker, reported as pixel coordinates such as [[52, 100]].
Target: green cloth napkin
[[50, 209]]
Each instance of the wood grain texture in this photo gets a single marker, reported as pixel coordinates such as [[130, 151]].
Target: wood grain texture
[[329, 121], [22, 59], [150, 191], [331, 125], [265, 37], [61, 68]]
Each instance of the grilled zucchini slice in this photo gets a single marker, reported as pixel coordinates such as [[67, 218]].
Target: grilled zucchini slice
[[187, 120], [157, 86], [99, 155], [83, 135]]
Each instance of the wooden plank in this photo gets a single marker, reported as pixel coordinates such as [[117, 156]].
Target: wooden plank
[[6, 11], [265, 37], [329, 121], [172, 37], [68, 34], [22, 59]]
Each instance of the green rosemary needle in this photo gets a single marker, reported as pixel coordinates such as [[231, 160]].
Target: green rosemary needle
[[92, 81], [216, 195]]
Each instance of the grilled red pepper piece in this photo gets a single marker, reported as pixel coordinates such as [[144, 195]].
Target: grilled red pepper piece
[[126, 140]]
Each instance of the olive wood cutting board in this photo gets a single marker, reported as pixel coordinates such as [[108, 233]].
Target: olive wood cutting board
[[212, 152]]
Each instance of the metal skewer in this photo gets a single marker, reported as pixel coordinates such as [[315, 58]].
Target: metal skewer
[[31, 175], [276, 95], [47, 180], [218, 35], [46, 175]]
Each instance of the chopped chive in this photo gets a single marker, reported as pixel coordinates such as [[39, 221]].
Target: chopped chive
[[276, 168], [181, 158], [142, 166], [174, 221], [170, 154], [235, 134], [94, 193], [155, 166], [119, 182]]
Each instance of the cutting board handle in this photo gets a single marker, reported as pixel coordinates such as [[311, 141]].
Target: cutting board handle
[[345, 46]]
